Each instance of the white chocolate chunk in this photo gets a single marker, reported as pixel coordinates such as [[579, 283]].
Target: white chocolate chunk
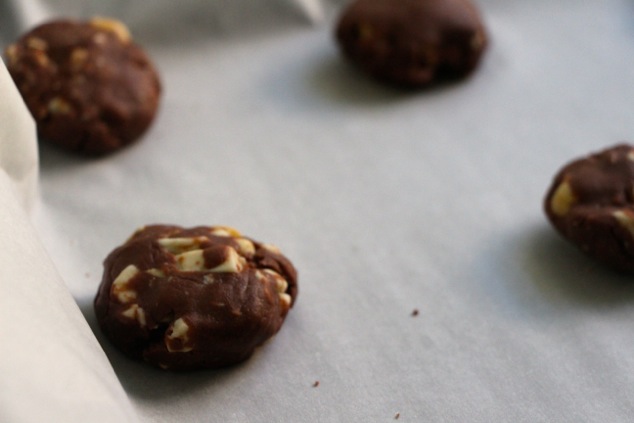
[[59, 106], [179, 329], [120, 284], [272, 248], [234, 263], [626, 219], [260, 275], [176, 349], [191, 261], [112, 25], [126, 296], [194, 261], [12, 53], [630, 155], [225, 231], [42, 59], [245, 247], [136, 313], [156, 272], [180, 332], [562, 199], [180, 245], [78, 58], [36, 43], [126, 275], [280, 283], [285, 299]]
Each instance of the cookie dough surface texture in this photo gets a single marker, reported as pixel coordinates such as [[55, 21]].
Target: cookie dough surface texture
[[203, 297], [591, 204], [89, 87], [412, 43]]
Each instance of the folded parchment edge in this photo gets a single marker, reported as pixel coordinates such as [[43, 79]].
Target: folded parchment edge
[[50, 356], [52, 365], [18, 143]]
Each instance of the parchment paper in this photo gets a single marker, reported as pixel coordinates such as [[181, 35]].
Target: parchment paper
[[386, 202]]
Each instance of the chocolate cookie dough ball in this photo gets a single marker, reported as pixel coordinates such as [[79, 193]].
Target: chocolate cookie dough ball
[[184, 299], [90, 88], [412, 43], [591, 203]]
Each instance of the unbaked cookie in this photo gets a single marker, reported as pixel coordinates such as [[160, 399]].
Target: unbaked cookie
[[90, 88], [591, 204], [184, 299], [412, 43]]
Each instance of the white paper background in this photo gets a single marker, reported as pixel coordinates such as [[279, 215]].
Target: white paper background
[[386, 202]]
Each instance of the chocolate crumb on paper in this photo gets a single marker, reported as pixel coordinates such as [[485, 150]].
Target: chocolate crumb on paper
[[315, 384]]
